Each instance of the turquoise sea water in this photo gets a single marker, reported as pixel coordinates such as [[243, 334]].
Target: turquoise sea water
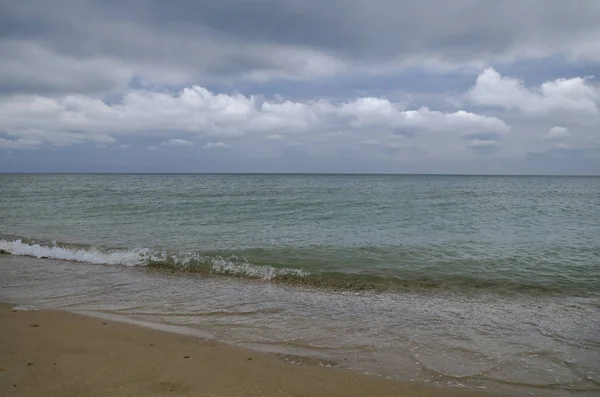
[[468, 281]]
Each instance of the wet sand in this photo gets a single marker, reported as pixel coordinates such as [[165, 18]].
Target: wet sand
[[55, 353]]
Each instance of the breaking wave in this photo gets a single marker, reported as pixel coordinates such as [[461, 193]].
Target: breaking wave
[[232, 265], [226, 264]]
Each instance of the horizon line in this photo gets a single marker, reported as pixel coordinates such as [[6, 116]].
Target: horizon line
[[292, 173]]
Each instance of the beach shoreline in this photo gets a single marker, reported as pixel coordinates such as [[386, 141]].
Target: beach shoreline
[[61, 353]]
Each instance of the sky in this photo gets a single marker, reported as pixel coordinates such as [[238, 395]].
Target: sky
[[348, 86]]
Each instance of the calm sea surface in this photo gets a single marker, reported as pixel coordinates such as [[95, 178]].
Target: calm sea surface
[[461, 281]]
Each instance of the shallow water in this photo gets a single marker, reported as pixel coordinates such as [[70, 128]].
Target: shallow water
[[488, 282]]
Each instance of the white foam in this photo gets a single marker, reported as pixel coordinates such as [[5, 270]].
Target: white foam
[[243, 268], [142, 256], [91, 255], [26, 308]]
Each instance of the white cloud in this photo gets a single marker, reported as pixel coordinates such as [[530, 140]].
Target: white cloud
[[216, 145], [273, 137], [20, 143], [482, 144], [558, 133], [369, 111], [197, 112], [371, 142], [178, 143], [576, 95], [456, 121]]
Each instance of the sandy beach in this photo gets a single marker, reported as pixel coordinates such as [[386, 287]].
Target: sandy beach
[[55, 353]]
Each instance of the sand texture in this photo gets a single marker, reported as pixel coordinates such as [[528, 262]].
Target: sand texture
[[55, 353]]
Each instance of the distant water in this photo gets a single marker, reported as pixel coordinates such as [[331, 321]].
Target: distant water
[[467, 281]]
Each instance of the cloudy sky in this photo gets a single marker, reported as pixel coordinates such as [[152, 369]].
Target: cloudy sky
[[428, 86]]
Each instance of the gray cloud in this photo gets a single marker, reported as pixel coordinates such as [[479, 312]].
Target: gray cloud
[[483, 145], [160, 80], [558, 133], [98, 46]]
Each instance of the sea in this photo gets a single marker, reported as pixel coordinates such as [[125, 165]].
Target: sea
[[474, 282]]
